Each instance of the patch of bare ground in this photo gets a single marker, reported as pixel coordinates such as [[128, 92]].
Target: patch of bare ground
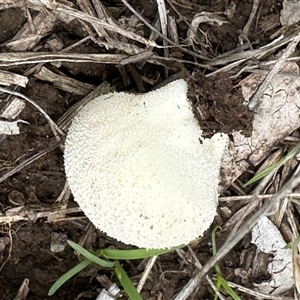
[[61, 54]]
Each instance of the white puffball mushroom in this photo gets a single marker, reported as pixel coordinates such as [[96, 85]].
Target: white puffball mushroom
[[140, 170]]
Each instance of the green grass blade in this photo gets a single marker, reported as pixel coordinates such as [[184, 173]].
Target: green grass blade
[[218, 286], [133, 254], [127, 284], [263, 173], [213, 239], [227, 288], [91, 256], [268, 170], [289, 245], [70, 274], [221, 281], [60, 281]]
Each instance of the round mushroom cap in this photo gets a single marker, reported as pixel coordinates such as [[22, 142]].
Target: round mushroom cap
[[140, 170]]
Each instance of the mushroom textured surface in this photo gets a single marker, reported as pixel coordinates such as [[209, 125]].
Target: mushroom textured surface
[[140, 170]]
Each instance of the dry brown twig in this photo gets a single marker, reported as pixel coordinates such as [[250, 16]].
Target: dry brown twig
[[67, 13], [249, 197], [245, 33], [146, 272], [257, 294], [233, 59], [63, 82], [23, 290], [23, 58], [66, 119], [70, 12], [164, 26], [8, 78], [160, 34], [22, 213], [31, 33]]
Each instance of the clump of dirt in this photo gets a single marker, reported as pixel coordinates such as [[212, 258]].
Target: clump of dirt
[[219, 105]]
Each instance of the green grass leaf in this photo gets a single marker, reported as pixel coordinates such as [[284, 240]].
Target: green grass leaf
[[113, 254], [221, 281], [127, 284], [134, 254], [268, 170], [91, 256], [213, 239], [227, 288], [289, 245], [64, 278], [263, 173]]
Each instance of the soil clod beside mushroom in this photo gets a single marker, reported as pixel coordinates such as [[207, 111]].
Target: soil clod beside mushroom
[[219, 105]]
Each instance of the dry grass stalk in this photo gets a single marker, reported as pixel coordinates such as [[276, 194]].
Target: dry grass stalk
[[257, 53], [13, 109], [64, 83], [23, 58], [30, 35], [8, 78], [28, 213], [164, 26], [257, 294], [69, 12]]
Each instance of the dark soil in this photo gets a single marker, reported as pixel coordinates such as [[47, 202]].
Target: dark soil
[[28, 254], [215, 112]]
